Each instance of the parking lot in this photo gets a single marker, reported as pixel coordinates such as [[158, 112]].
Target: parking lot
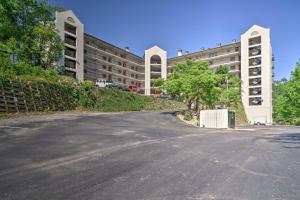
[[145, 155]]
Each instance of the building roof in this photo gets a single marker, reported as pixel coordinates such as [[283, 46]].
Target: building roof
[[113, 46]]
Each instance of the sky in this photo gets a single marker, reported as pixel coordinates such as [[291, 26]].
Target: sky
[[191, 24]]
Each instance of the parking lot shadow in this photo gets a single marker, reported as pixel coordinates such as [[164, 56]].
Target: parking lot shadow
[[290, 140]]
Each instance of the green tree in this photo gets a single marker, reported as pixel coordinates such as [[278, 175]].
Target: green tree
[[230, 85], [286, 99], [195, 83], [30, 23]]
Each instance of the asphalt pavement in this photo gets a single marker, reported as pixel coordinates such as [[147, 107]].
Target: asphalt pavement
[[145, 156]]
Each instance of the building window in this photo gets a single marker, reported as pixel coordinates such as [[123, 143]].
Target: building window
[[85, 61], [255, 71], [255, 101], [255, 91], [232, 58], [69, 28], [132, 67], [212, 54], [85, 71], [104, 66], [237, 49], [254, 81], [255, 41], [211, 62], [103, 75], [109, 59], [119, 71], [70, 40], [232, 67], [70, 63], [119, 80], [85, 51], [254, 61]]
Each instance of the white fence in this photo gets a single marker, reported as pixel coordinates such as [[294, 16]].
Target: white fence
[[214, 118]]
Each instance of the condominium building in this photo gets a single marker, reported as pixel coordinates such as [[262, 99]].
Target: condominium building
[[89, 58]]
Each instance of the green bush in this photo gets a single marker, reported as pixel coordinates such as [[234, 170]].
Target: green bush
[[187, 116]]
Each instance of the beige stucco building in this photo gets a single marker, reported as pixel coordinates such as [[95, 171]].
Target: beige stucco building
[[89, 58]]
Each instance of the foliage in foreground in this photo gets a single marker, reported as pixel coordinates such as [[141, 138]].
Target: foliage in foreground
[[27, 33], [286, 99]]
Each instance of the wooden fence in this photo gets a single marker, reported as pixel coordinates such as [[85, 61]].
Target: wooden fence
[[27, 96]]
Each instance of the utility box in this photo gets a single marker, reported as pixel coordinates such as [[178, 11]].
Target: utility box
[[221, 118]]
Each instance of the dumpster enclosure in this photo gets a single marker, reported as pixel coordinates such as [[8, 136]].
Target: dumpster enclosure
[[221, 118]]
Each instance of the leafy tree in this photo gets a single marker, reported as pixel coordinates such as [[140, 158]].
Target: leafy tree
[[286, 99], [30, 24], [230, 85], [196, 83]]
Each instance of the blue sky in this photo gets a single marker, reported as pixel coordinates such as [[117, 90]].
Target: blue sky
[[191, 24]]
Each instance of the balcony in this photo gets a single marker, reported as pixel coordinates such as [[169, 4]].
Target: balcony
[[254, 81], [254, 61], [69, 28], [254, 51], [70, 40], [70, 63], [255, 41], [255, 101], [70, 52], [255, 91], [255, 71]]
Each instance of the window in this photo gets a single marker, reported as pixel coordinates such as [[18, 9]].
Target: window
[[85, 51], [85, 61], [70, 63], [70, 52], [255, 51], [232, 58], [232, 67], [119, 71], [237, 49], [132, 67], [132, 75], [109, 59], [119, 63], [124, 72], [85, 71], [104, 66], [119, 79], [104, 58], [255, 101], [103, 75], [255, 91], [254, 81], [70, 40], [255, 41], [211, 62], [69, 28], [124, 80], [255, 71], [254, 61], [212, 54]]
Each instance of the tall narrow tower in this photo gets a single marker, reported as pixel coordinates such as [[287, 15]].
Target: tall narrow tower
[[71, 31], [256, 74], [155, 67]]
